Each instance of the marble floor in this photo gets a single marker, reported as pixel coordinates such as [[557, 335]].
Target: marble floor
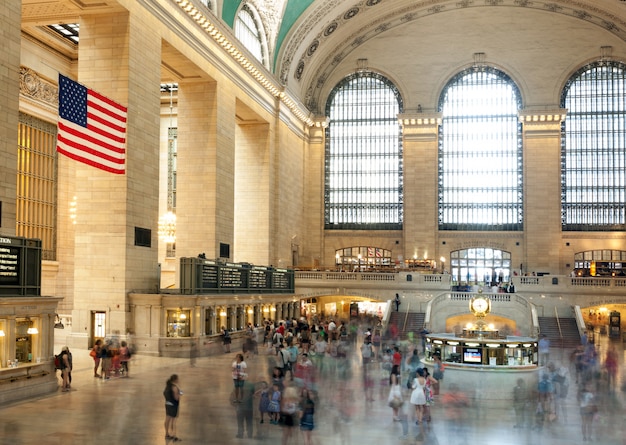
[[131, 410]]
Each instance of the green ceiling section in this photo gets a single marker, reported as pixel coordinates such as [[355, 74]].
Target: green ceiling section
[[293, 11], [229, 11]]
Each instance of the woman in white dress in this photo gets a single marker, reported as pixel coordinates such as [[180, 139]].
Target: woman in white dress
[[395, 397], [418, 398]]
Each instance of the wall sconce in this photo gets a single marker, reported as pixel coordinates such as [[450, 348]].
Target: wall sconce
[[266, 310], [222, 313], [273, 309], [250, 311], [2, 333], [31, 330]]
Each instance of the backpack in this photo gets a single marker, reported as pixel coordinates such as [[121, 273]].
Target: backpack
[[58, 362]]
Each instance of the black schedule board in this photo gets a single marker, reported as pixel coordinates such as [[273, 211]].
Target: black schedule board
[[20, 266], [210, 273], [9, 264], [258, 278], [231, 277], [282, 279], [200, 275]]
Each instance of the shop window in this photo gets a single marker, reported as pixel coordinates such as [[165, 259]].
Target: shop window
[[178, 323]]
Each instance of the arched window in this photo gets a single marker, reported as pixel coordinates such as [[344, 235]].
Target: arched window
[[480, 153], [363, 174], [593, 153], [249, 31], [480, 265]]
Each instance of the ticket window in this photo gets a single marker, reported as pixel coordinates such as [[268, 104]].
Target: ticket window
[[178, 323], [24, 335]]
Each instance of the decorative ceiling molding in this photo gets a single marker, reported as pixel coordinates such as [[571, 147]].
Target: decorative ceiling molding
[[306, 42]]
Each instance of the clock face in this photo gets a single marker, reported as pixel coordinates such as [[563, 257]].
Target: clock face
[[480, 305]]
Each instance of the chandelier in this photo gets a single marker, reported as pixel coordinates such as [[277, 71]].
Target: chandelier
[[167, 228]]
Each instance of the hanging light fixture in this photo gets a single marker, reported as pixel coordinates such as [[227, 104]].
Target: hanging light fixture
[[167, 228]]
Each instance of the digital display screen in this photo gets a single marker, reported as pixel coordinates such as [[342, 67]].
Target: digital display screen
[[472, 355]]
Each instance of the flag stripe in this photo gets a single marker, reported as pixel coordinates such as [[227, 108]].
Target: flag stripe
[[92, 128], [93, 161], [83, 137]]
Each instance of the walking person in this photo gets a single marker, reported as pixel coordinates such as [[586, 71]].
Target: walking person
[[418, 399], [95, 354], [307, 412], [226, 340], [172, 395], [394, 400], [239, 373], [588, 409], [245, 411], [124, 357]]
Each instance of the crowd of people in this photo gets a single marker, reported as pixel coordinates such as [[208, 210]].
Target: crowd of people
[[278, 376]]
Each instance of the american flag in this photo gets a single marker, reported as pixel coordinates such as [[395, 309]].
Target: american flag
[[92, 128]]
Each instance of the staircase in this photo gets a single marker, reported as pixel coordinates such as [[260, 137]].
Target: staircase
[[569, 331], [408, 322]]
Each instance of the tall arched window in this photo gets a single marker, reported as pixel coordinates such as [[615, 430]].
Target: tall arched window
[[480, 153], [363, 182], [249, 31], [593, 153]]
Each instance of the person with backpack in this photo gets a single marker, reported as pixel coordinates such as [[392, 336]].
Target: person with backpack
[[64, 365]]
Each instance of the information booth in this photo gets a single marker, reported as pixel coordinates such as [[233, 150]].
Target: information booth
[[482, 350]]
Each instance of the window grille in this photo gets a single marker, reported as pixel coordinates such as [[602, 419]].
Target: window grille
[[172, 150], [363, 155], [593, 152], [36, 204], [248, 31], [480, 265], [480, 153]]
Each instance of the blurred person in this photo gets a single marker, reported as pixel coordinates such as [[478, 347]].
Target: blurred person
[[438, 373], [95, 354], [455, 404], [106, 355], [124, 357], [307, 413], [274, 406], [396, 363], [226, 340], [610, 365], [395, 399], [305, 372], [545, 412], [172, 394], [239, 373], [264, 400], [544, 350], [366, 351], [588, 409], [305, 338], [289, 408], [245, 410], [520, 403]]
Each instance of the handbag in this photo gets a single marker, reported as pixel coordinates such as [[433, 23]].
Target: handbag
[[92, 353], [396, 402]]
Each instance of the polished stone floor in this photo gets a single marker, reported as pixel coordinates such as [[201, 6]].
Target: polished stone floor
[[131, 410]]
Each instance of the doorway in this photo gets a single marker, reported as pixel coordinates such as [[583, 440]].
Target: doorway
[[98, 327]]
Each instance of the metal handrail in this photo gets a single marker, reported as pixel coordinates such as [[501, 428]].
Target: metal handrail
[[558, 324]]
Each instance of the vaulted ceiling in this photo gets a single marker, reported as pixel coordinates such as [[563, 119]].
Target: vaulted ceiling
[[418, 44]]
